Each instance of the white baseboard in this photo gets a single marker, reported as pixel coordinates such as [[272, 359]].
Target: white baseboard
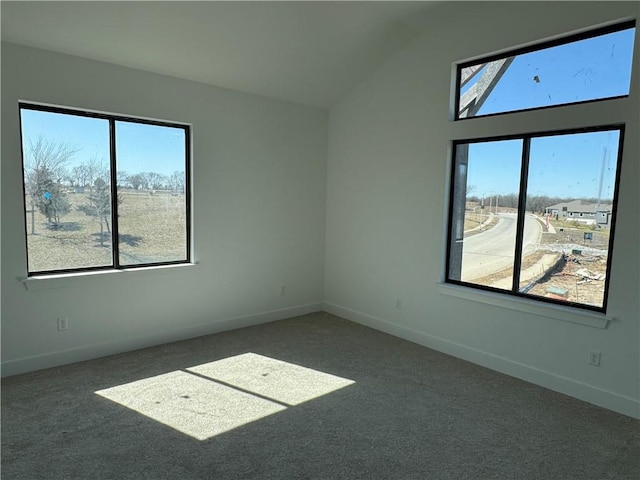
[[89, 352], [582, 391]]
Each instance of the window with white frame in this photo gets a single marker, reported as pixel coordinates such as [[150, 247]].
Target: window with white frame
[[533, 214], [103, 191]]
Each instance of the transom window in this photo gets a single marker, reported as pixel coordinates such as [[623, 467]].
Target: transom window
[[595, 65], [103, 191]]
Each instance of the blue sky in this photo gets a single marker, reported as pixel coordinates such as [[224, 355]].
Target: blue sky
[[567, 165], [577, 165], [598, 67], [149, 148], [140, 147]]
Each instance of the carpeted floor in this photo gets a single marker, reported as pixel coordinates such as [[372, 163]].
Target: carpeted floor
[[238, 405]]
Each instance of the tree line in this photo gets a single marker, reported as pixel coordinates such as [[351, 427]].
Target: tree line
[[48, 181], [84, 175], [534, 203]]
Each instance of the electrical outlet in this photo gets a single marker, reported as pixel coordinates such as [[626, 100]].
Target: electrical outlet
[[594, 358], [63, 324], [283, 290]]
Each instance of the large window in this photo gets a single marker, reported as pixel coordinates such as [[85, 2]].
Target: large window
[[103, 191], [533, 214]]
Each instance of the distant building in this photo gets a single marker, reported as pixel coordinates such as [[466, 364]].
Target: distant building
[[584, 212]]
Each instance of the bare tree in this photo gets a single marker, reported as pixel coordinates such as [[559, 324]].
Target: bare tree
[[137, 181], [124, 179], [152, 180], [79, 175], [147, 176], [96, 169], [177, 181], [471, 189], [156, 180], [44, 169]]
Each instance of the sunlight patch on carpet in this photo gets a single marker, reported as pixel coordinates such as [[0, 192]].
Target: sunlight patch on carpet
[[238, 390], [281, 381], [191, 405]]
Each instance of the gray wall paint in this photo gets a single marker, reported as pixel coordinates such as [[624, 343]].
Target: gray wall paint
[[259, 169], [387, 194]]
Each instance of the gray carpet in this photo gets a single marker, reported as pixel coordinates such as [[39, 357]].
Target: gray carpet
[[398, 411]]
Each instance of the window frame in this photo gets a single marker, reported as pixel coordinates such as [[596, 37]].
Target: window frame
[[522, 199], [115, 247], [564, 40]]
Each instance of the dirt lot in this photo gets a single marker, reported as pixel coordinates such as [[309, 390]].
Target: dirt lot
[[152, 229], [580, 278]]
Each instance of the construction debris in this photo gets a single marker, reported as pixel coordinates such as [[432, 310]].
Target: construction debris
[[584, 273], [555, 297], [557, 292]]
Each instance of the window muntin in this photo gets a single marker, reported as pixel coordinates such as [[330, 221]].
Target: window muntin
[[78, 191], [558, 257], [588, 67]]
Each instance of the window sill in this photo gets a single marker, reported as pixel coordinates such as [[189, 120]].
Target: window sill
[[556, 312], [46, 282]]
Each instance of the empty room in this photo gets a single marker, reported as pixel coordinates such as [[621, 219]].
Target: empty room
[[320, 240]]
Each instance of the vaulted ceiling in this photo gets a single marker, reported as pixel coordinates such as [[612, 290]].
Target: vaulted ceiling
[[305, 52]]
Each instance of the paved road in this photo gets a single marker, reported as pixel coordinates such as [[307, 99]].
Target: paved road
[[492, 251]]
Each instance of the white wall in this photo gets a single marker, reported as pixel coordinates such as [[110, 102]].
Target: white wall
[[386, 202], [259, 170]]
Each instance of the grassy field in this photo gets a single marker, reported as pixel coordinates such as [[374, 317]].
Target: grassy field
[[152, 228]]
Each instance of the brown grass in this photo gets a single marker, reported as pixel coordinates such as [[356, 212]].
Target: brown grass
[[151, 227], [573, 232], [475, 219]]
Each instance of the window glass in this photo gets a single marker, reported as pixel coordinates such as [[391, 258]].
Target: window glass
[[151, 193], [588, 69], [486, 186], [571, 184], [66, 191]]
